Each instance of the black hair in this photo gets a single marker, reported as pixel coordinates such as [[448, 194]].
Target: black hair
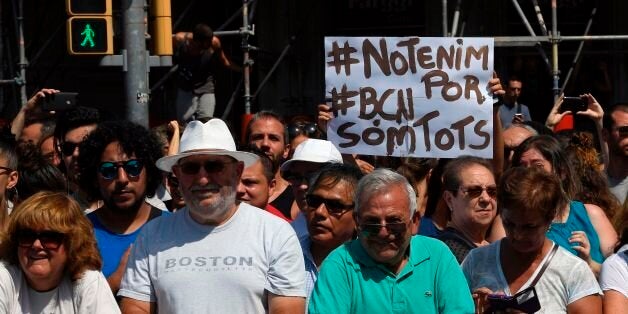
[[333, 173], [202, 32], [71, 119], [133, 139], [36, 173]]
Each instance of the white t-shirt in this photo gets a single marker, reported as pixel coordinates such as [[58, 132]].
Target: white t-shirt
[[566, 279], [186, 267], [614, 274], [89, 294]]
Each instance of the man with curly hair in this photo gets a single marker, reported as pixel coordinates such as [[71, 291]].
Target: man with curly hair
[[117, 165]]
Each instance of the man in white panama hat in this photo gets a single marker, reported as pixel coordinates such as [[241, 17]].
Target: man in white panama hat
[[216, 254]]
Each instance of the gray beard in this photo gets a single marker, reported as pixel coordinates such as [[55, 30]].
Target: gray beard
[[218, 209]]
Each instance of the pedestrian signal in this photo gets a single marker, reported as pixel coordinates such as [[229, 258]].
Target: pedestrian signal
[[90, 35]]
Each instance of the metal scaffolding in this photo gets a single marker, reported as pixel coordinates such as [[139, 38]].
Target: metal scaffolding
[[553, 37]]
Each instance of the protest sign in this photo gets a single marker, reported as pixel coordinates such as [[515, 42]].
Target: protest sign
[[410, 96]]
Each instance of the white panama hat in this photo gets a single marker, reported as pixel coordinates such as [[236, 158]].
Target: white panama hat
[[210, 138], [316, 151]]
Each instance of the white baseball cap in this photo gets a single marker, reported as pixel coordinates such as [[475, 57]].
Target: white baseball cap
[[316, 151]]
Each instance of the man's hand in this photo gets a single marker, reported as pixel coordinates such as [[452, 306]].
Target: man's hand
[[324, 115], [495, 86], [594, 109], [554, 116], [116, 277], [38, 99]]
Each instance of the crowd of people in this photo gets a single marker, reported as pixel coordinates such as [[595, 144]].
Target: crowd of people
[[105, 216]]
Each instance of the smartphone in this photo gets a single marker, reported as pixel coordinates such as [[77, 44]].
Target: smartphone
[[59, 101], [573, 104], [525, 300]]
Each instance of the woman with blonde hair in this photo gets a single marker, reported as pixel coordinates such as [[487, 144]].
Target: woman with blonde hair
[[50, 262]]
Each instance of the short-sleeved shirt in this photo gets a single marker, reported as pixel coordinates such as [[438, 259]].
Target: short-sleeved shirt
[[507, 113], [350, 281], [112, 245], [88, 294], [614, 274], [186, 267], [566, 279]]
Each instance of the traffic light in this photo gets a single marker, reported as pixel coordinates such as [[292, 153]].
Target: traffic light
[[161, 22], [90, 27]]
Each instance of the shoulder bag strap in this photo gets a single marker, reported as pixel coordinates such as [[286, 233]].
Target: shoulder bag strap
[[547, 261]]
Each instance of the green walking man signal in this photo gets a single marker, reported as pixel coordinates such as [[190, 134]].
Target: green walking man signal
[[89, 36]]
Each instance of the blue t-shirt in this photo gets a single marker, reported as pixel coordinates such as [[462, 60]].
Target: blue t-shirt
[[112, 245], [578, 220]]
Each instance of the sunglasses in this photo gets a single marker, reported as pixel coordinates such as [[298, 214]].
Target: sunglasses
[[67, 148], [49, 239], [372, 230], [334, 207], [476, 191], [109, 170], [309, 129], [6, 169], [210, 166]]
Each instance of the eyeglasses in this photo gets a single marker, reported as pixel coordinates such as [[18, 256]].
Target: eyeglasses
[[623, 131], [371, 230], [67, 148], [210, 166], [109, 170], [334, 207], [309, 129], [49, 239], [476, 191], [6, 169]]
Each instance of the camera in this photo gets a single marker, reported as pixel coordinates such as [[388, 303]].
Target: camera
[[573, 104], [525, 300], [59, 101]]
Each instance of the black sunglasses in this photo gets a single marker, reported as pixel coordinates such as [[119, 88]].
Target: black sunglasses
[[623, 130], [49, 239], [6, 169], [371, 230], [476, 191], [309, 129], [210, 166], [334, 207], [109, 170], [67, 148]]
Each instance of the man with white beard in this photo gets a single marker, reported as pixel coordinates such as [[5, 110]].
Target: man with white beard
[[216, 254]]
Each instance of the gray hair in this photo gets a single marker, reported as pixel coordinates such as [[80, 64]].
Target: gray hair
[[379, 181]]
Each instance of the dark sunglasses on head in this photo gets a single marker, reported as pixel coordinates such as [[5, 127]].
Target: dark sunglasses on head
[[371, 230], [210, 166], [67, 148], [476, 191], [48, 239], [334, 207], [309, 129], [109, 170]]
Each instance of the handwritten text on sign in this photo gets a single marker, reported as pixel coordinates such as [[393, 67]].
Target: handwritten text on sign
[[410, 96]]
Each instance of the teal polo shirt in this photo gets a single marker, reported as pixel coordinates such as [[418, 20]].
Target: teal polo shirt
[[431, 282]]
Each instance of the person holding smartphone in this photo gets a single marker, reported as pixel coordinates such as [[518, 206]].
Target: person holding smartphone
[[510, 110], [544, 276]]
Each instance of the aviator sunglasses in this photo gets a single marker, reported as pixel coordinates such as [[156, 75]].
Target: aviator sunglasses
[[476, 191], [49, 239], [109, 170]]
